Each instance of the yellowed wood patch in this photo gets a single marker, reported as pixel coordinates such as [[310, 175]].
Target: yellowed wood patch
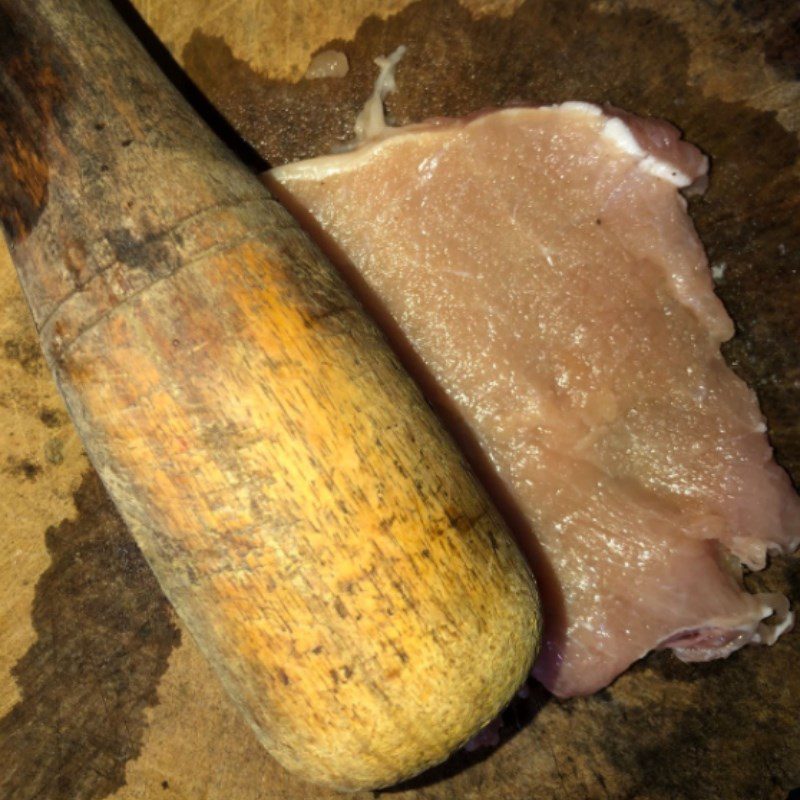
[[278, 38]]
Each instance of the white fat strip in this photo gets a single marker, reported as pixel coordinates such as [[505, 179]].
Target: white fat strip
[[619, 133], [371, 121], [776, 608], [578, 105], [373, 134]]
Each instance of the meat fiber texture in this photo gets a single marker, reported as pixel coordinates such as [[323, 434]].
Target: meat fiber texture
[[542, 264]]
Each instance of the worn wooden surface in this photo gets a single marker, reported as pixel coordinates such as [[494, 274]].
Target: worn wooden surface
[[108, 698], [301, 506]]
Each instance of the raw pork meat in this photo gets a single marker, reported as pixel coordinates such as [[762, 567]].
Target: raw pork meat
[[541, 263]]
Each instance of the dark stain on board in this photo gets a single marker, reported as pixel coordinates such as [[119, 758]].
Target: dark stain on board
[[53, 417], [150, 249], [701, 732], [743, 738], [26, 351], [720, 729], [22, 468], [777, 24], [104, 636]]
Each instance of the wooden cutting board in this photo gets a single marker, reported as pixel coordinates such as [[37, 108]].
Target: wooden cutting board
[[103, 695]]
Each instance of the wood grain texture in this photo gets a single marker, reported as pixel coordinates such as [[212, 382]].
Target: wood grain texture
[[303, 509], [726, 72], [280, 37]]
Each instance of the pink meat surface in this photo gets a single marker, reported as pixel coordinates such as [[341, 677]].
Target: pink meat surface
[[541, 263]]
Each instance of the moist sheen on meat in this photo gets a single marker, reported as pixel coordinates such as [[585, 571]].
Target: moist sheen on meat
[[541, 263]]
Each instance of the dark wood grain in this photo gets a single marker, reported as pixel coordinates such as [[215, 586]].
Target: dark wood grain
[[32, 88]]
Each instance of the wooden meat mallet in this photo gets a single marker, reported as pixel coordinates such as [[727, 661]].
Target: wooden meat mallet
[[314, 526]]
